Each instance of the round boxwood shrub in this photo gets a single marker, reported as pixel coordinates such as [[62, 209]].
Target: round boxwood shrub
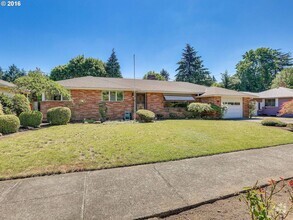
[[273, 122], [59, 115], [9, 124], [31, 119], [145, 115]]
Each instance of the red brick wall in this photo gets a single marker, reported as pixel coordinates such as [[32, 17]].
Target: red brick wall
[[85, 105], [116, 110], [245, 107], [155, 103], [215, 100]]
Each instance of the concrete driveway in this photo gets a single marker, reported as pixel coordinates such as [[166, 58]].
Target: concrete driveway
[[141, 191]]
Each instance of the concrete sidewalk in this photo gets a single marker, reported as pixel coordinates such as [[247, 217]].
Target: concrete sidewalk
[[139, 191]]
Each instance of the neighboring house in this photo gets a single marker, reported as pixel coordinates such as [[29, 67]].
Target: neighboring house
[[165, 98], [6, 88], [271, 101]]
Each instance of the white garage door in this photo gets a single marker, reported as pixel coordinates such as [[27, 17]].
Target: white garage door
[[234, 107]]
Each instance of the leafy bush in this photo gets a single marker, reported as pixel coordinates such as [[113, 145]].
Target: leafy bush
[[273, 122], [59, 115], [290, 126], [219, 111], [20, 104], [145, 115], [103, 111], [31, 119], [199, 109], [7, 104], [160, 116], [9, 124], [251, 108], [1, 109], [287, 108]]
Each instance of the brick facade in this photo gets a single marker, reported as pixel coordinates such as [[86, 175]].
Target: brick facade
[[85, 105], [245, 107]]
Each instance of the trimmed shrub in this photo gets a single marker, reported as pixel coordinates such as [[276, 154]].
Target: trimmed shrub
[[273, 122], [290, 126], [7, 104], [31, 119], [199, 109], [59, 115], [103, 111], [9, 124], [145, 115], [20, 104]]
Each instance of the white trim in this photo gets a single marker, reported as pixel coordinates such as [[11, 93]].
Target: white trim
[[43, 97], [276, 102]]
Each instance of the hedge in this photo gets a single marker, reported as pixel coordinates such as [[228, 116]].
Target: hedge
[[273, 122], [20, 104], [58, 115], [145, 115], [9, 124], [31, 119]]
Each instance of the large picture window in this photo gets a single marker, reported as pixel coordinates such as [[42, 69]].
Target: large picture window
[[270, 102], [112, 96]]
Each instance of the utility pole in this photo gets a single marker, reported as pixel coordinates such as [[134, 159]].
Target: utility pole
[[134, 90]]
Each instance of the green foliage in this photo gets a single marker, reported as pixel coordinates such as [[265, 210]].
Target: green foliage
[[103, 111], [165, 74], [113, 66], [145, 115], [1, 109], [273, 122], [58, 115], [152, 75], [20, 104], [9, 124], [31, 119], [218, 111], [191, 68], [12, 73], [290, 126], [226, 81], [251, 108], [284, 79], [37, 83], [199, 109], [260, 201], [7, 104], [259, 67], [78, 67]]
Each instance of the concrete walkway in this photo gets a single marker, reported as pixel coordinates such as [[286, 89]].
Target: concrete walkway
[[139, 191]]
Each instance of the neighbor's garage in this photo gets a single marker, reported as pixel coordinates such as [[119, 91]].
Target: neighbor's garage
[[234, 107]]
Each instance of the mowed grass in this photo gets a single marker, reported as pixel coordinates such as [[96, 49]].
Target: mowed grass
[[76, 147]]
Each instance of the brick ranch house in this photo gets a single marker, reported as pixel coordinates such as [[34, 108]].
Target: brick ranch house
[[165, 98]]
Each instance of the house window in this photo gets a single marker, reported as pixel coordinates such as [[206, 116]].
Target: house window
[[112, 96], [231, 103], [270, 102]]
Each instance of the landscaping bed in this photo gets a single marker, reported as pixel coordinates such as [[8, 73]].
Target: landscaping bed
[[76, 147], [230, 208]]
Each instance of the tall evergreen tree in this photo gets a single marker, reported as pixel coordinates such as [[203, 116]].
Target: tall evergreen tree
[[225, 80], [191, 68], [165, 74], [13, 73], [113, 66]]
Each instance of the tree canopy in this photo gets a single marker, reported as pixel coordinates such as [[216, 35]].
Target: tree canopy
[[191, 68], [113, 66], [37, 83], [164, 73], [259, 67], [284, 79], [12, 73], [78, 67], [152, 75]]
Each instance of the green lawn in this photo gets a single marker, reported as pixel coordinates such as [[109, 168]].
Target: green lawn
[[96, 146]]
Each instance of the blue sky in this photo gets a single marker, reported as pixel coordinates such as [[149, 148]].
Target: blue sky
[[48, 33]]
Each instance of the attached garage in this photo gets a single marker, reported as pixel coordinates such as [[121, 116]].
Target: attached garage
[[234, 107]]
